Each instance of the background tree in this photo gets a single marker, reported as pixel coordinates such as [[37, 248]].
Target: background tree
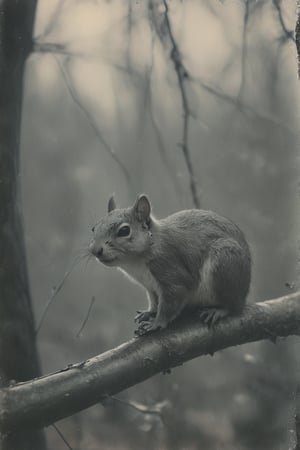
[[18, 355]]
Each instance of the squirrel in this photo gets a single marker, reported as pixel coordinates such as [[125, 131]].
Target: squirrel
[[193, 258]]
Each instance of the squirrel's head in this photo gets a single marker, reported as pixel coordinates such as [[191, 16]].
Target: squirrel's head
[[122, 234]]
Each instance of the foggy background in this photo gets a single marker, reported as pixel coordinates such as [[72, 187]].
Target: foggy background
[[102, 114]]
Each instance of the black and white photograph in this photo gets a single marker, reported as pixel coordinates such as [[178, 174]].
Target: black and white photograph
[[149, 225]]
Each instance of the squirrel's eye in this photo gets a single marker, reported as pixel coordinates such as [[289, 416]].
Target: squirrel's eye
[[124, 231], [93, 229]]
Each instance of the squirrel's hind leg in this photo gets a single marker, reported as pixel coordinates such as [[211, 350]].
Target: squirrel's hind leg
[[228, 272], [211, 316]]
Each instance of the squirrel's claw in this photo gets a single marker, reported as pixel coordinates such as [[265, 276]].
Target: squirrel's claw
[[148, 326], [144, 316], [211, 316], [143, 328]]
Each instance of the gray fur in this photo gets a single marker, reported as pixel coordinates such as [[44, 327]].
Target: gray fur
[[193, 257]]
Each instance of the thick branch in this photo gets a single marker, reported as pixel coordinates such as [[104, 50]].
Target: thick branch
[[47, 399]]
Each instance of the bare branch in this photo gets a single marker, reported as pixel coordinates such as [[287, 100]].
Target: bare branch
[[149, 100], [244, 50], [89, 118], [47, 399], [55, 292], [130, 25], [154, 18], [86, 317], [246, 109], [182, 76], [50, 25], [288, 34], [52, 47], [55, 427]]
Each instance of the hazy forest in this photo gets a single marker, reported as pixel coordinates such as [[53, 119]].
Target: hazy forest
[[195, 103]]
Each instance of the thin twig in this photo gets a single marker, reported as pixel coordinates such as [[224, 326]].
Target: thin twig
[[182, 77], [244, 50], [289, 34], [52, 47], [149, 100], [61, 436], [130, 23], [53, 20], [90, 119], [217, 92], [86, 317], [55, 291]]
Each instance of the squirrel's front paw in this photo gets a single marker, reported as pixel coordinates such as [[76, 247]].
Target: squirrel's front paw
[[144, 316], [143, 328], [149, 326]]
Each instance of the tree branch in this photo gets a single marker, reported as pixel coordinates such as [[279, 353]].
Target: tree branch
[[243, 107], [53, 20], [244, 51], [45, 400], [75, 97], [150, 103], [288, 34], [182, 76], [56, 49]]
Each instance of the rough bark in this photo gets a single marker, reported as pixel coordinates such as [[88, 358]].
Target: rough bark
[[18, 356], [47, 399]]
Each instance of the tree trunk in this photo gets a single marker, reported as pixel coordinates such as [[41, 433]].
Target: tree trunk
[[18, 354]]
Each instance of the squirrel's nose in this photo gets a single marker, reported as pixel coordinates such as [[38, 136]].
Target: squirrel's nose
[[99, 251], [95, 250]]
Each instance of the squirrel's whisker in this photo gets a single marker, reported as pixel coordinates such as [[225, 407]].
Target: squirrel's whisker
[[57, 289]]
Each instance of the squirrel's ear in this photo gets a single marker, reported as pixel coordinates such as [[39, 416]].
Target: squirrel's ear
[[142, 208], [111, 204]]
